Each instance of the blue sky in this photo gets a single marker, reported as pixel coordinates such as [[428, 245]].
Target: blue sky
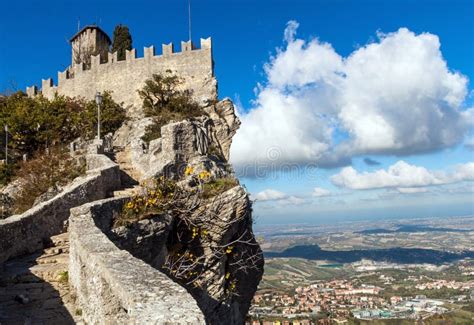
[[333, 84]]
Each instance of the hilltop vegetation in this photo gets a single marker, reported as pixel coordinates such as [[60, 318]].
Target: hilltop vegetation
[[35, 124], [165, 101]]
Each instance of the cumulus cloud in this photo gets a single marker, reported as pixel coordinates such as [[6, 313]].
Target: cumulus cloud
[[319, 192], [404, 177], [412, 190], [270, 195], [393, 96], [279, 197]]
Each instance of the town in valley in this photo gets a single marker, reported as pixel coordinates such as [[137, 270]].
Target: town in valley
[[408, 271]]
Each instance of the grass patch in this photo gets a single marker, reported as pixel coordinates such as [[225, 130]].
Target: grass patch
[[63, 277], [218, 186]]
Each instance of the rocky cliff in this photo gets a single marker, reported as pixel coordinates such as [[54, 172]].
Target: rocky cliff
[[204, 239]]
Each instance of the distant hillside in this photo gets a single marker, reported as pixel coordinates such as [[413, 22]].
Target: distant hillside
[[394, 255], [409, 229]]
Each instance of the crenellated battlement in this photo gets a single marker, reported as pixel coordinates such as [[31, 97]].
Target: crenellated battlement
[[125, 77]]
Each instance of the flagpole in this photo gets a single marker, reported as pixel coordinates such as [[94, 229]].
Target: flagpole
[[189, 18]]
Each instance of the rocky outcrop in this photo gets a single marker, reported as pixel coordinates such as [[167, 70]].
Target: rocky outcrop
[[207, 138], [233, 259], [146, 239], [224, 126], [196, 263], [214, 231], [230, 260]]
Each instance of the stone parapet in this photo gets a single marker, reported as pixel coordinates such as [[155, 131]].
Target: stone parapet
[[28, 232], [111, 285]]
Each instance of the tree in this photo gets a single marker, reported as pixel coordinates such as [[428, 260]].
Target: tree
[[122, 41], [163, 92], [164, 100], [37, 123]]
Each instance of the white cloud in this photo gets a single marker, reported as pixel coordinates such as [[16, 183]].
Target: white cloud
[[290, 30], [270, 195], [319, 192], [403, 176], [412, 190], [294, 200], [279, 197], [393, 96]]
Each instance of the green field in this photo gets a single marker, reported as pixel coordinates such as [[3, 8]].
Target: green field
[[288, 273]]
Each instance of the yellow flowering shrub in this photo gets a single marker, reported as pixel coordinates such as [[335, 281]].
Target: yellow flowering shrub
[[188, 171], [204, 175], [153, 202]]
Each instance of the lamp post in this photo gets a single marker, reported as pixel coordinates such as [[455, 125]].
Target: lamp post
[[6, 144], [98, 100]]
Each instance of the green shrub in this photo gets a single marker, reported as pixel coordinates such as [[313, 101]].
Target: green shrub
[[43, 173], [6, 173], [38, 122], [63, 277]]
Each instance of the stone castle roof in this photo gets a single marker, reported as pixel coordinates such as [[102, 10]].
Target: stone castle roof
[[90, 27]]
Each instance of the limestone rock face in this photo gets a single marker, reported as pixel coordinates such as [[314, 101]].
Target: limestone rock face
[[146, 239], [8, 194], [181, 142], [225, 124], [229, 283], [230, 260]]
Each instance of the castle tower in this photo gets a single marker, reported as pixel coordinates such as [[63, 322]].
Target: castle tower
[[90, 40]]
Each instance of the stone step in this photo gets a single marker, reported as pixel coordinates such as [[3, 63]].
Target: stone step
[[52, 259], [56, 250], [128, 191], [41, 279], [50, 272], [60, 240]]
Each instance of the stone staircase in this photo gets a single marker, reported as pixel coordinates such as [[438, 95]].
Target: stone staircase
[[34, 289], [123, 157], [129, 177]]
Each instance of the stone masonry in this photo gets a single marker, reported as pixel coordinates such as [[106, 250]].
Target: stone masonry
[[125, 77], [112, 286]]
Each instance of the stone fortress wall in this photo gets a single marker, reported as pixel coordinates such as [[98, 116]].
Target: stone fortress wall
[[125, 77]]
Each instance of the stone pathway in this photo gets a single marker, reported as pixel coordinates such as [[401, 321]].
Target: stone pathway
[[130, 175], [124, 160], [34, 289]]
